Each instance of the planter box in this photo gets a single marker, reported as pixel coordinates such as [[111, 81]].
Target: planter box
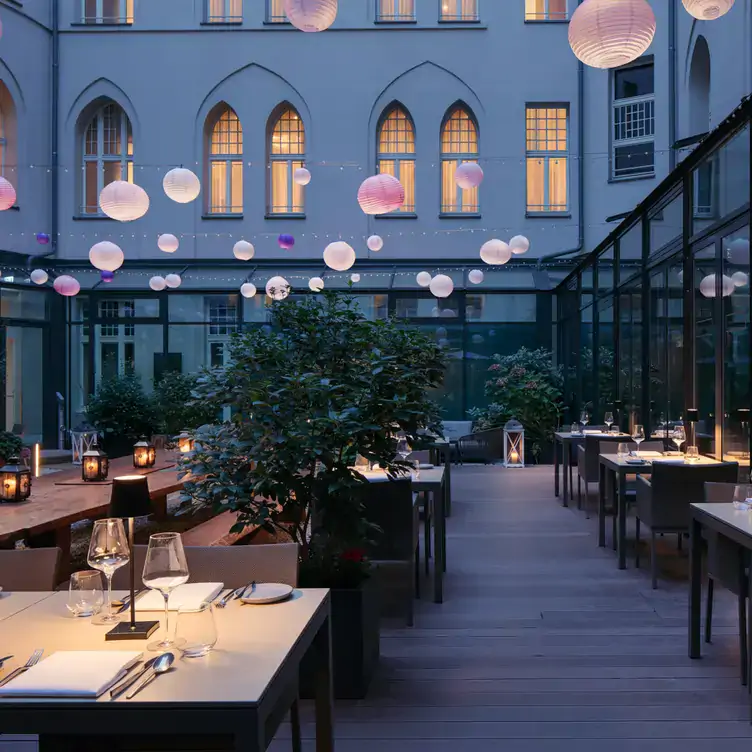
[[355, 642]]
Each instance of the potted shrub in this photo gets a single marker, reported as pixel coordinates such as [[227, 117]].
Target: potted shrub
[[11, 445], [175, 407]]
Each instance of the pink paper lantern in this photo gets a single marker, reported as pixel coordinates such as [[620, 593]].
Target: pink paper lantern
[[375, 243], [123, 201], [708, 10], [67, 285], [610, 33], [468, 175], [381, 194], [7, 195], [495, 252], [311, 15]]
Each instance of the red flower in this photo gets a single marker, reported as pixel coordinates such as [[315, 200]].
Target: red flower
[[356, 555]]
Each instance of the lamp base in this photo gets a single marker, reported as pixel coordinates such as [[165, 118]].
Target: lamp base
[[141, 630]]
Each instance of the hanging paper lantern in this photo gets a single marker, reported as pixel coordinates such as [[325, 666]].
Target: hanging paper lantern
[[519, 244], [67, 285], [157, 283], [7, 194], [355, 277], [277, 288], [248, 290], [708, 10], [441, 286], [173, 280], [286, 242], [181, 185], [441, 333], [610, 33], [375, 243], [339, 256], [738, 252], [707, 286], [124, 201], [316, 284], [168, 243], [43, 238], [476, 276], [106, 256], [39, 276], [423, 279], [477, 339], [106, 276], [311, 15], [301, 176], [243, 250], [495, 252], [740, 279], [468, 175], [381, 194]]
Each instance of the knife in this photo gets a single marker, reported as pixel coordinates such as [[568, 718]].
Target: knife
[[129, 681], [126, 602]]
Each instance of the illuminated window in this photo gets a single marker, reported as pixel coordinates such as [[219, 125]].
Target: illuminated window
[[459, 143], [547, 159], [458, 10], [225, 166], [545, 10], [224, 11], [275, 11], [286, 154], [396, 153], [107, 11], [395, 11]]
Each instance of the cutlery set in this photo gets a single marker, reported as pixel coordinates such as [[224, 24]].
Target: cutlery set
[[33, 660], [236, 594]]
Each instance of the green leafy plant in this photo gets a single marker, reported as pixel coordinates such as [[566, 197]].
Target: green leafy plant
[[10, 445], [121, 408], [310, 393], [175, 405]]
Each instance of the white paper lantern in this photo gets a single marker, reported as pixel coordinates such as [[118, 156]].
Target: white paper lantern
[[124, 201], [67, 285], [301, 176], [495, 252], [355, 277], [248, 290], [423, 279], [738, 252], [316, 284], [519, 244], [441, 286], [468, 175], [610, 33], [7, 195], [39, 276], [740, 279], [339, 256], [381, 194], [243, 250], [311, 15], [168, 243], [181, 185], [173, 280], [375, 243], [476, 276], [708, 10], [277, 288], [707, 286], [157, 283], [106, 256]]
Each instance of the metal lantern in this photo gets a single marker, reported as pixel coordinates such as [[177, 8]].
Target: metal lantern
[[83, 439], [144, 454], [185, 442], [514, 444], [15, 481], [95, 465]]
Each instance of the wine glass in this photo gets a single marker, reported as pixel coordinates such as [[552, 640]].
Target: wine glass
[[608, 419], [584, 418], [165, 568], [678, 436], [108, 551], [403, 449], [638, 436]]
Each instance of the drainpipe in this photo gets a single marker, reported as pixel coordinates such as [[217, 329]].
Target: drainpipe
[[672, 53]]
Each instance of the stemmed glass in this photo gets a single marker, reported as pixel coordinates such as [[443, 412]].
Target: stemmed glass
[[678, 436], [638, 436], [584, 418], [165, 568], [108, 551], [403, 449], [608, 419]]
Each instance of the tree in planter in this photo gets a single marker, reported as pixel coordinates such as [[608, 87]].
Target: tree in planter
[[10, 446], [308, 394], [176, 407]]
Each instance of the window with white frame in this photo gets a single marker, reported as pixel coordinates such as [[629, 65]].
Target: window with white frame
[[117, 345], [547, 154], [8, 136], [396, 153], [458, 10], [546, 10], [225, 166], [395, 11], [633, 118], [3, 142], [459, 143], [222, 317], [286, 154], [224, 11], [107, 11], [275, 11], [107, 154]]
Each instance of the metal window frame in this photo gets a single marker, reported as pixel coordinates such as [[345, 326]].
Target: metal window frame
[[456, 15], [394, 17], [547, 14], [227, 16], [293, 161], [122, 17], [547, 156]]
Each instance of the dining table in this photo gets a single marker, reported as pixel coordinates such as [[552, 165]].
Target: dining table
[[234, 698]]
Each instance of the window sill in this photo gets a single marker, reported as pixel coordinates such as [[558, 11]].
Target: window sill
[[549, 215], [282, 215], [92, 218], [100, 24], [222, 23], [217, 215], [631, 178], [396, 21], [459, 215], [459, 21], [546, 20], [284, 24], [396, 215]]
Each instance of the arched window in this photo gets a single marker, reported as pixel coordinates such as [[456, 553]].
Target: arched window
[[459, 143], [396, 153], [3, 141], [225, 161], [286, 154], [107, 153]]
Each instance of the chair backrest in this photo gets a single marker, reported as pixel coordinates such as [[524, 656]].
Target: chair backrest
[[233, 565], [29, 569], [719, 493], [609, 446], [389, 505], [453, 429], [485, 445]]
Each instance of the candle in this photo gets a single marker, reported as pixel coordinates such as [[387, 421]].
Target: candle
[[514, 456], [9, 487]]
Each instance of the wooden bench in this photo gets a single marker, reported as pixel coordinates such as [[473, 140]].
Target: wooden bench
[[216, 532]]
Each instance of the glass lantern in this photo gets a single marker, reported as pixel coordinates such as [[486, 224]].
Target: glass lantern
[[514, 444], [144, 454], [15, 481], [95, 465], [185, 442]]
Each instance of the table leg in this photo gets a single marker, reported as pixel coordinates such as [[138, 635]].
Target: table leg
[[556, 467], [695, 587], [448, 482], [438, 550], [324, 696], [602, 506], [621, 544], [565, 470]]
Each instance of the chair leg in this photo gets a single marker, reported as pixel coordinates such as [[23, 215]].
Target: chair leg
[[587, 500], [297, 742], [679, 542], [743, 647], [427, 533], [410, 603], [653, 562], [613, 530], [417, 570], [709, 611], [579, 491], [637, 543]]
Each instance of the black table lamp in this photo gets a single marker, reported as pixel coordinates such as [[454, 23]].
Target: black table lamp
[[693, 417], [130, 498]]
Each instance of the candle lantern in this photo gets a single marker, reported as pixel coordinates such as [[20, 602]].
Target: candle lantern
[[185, 442], [514, 444], [95, 465], [83, 438], [144, 454], [15, 481]]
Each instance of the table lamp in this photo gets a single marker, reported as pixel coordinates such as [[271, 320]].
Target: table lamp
[[130, 498], [693, 416]]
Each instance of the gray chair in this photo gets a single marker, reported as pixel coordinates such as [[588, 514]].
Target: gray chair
[[481, 446], [573, 447], [663, 500], [29, 569], [588, 465]]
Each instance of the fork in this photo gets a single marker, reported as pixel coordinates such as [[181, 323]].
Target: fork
[[230, 596], [33, 660]]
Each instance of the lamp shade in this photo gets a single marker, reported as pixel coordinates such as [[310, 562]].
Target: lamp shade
[[381, 194], [610, 33], [519, 244], [740, 279], [286, 242], [423, 278], [66, 285], [495, 252], [375, 243], [339, 256], [707, 286], [277, 288], [355, 277], [738, 252], [441, 286], [316, 284], [708, 10], [311, 15], [157, 283], [39, 276], [181, 185], [475, 276], [123, 201], [248, 289], [130, 497], [301, 176], [106, 256], [168, 243], [173, 280], [7, 194], [468, 175], [243, 250]]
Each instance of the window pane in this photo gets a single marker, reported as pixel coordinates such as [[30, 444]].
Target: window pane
[[227, 135], [90, 10], [397, 135], [396, 10], [112, 171], [633, 82], [637, 159], [237, 187], [536, 185], [289, 134], [276, 11], [280, 187], [459, 135], [547, 128], [218, 187], [407, 178], [459, 10], [557, 184], [91, 192]]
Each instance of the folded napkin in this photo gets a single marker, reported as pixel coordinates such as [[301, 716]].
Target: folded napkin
[[73, 673], [649, 454], [190, 596]]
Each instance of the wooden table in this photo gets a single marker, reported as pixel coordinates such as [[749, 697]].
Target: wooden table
[[13, 603], [232, 699]]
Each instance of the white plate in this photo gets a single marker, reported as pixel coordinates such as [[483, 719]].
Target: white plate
[[267, 592]]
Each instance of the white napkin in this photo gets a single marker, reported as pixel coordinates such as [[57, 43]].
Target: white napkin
[[191, 596], [73, 673], [649, 454]]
